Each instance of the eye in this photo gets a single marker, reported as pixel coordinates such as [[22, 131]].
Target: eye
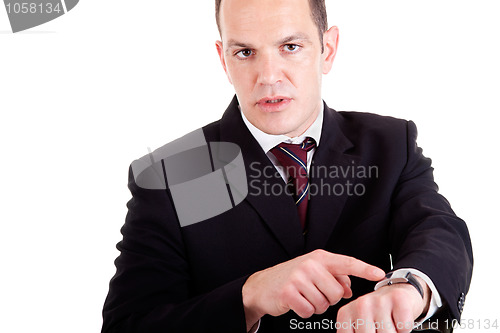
[[243, 54], [291, 48]]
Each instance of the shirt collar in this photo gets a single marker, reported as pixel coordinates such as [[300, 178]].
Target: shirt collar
[[269, 141]]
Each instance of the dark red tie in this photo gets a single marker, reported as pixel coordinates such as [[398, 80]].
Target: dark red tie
[[293, 157]]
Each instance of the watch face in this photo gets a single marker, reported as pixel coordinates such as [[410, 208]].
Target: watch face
[[400, 277], [399, 280]]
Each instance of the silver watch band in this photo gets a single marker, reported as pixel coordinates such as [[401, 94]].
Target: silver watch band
[[392, 278]]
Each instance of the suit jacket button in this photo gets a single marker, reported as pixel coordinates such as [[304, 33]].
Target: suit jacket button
[[461, 301]]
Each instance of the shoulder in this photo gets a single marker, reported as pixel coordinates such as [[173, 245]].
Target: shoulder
[[371, 122], [148, 171], [212, 131], [362, 126], [376, 137]]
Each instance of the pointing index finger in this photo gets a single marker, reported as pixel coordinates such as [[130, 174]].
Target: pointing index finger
[[341, 264]]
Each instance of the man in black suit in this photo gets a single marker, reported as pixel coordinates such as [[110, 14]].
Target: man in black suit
[[329, 198]]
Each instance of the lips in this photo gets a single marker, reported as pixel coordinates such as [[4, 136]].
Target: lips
[[273, 103]]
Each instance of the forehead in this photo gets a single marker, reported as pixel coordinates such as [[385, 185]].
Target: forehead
[[259, 19]]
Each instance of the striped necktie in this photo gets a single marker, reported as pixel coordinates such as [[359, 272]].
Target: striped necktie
[[293, 157]]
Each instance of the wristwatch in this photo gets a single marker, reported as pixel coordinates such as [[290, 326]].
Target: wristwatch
[[400, 277]]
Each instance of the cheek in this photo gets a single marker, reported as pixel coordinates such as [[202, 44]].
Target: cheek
[[305, 71], [240, 77], [306, 80], [235, 71]]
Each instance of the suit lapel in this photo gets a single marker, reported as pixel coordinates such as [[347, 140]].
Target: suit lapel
[[266, 189], [330, 178]]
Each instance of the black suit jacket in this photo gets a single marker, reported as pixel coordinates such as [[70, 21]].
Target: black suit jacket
[[188, 279]]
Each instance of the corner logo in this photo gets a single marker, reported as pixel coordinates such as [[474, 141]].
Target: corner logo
[[26, 14]]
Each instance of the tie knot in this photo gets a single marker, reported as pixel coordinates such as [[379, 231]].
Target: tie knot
[[306, 145], [293, 157]]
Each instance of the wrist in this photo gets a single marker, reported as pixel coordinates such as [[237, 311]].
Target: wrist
[[427, 294], [252, 315], [409, 281]]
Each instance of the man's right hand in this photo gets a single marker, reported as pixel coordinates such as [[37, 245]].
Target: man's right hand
[[308, 285]]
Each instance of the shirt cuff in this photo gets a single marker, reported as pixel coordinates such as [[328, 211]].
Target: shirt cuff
[[435, 302]]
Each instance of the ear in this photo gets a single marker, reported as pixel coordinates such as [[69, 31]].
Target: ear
[[330, 44], [220, 51]]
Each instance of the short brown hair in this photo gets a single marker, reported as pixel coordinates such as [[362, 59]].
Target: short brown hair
[[318, 13]]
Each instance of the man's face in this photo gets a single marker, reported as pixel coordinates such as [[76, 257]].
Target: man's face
[[271, 53]]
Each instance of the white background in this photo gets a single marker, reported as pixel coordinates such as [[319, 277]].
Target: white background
[[84, 95]]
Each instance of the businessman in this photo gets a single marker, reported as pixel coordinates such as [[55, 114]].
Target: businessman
[[335, 201]]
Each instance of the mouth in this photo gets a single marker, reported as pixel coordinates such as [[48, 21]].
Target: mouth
[[273, 100], [273, 103]]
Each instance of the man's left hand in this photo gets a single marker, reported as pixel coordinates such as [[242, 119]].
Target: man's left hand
[[392, 308]]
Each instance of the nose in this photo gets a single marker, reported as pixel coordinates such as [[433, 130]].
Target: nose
[[269, 69]]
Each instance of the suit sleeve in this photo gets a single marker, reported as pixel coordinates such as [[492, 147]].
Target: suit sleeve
[[151, 291], [425, 232]]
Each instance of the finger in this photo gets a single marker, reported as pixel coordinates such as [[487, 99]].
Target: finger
[[344, 320], [350, 319], [330, 287], [385, 324], [301, 306], [365, 324], [362, 312], [343, 265], [316, 297], [345, 282], [403, 318]]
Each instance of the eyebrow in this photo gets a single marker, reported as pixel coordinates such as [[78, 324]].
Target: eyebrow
[[295, 37]]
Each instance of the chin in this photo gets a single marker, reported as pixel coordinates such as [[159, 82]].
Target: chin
[[277, 130]]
